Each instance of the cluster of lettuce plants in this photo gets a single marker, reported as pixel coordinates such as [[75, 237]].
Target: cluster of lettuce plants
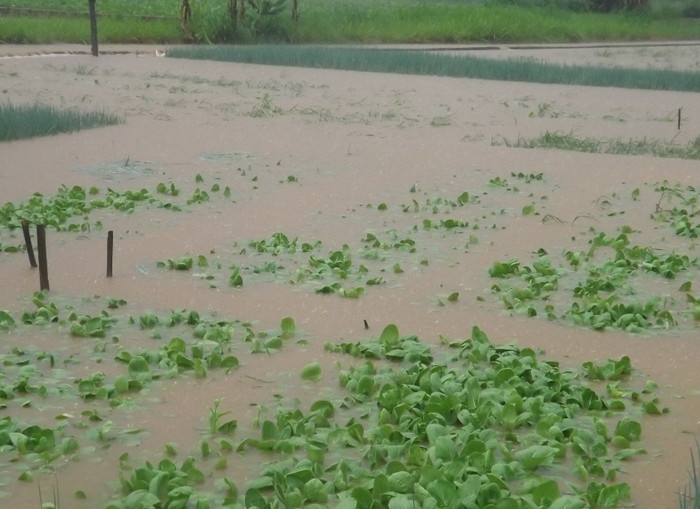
[[179, 344], [69, 209], [482, 426], [605, 285], [345, 271]]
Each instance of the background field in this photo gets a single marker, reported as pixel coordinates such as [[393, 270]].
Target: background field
[[340, 21]]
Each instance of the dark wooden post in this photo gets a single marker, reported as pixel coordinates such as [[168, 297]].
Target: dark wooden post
[[43, 264], [93, 26], [28, 243], [110, 250]]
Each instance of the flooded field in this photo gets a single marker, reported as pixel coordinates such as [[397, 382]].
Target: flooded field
[[267, 218]]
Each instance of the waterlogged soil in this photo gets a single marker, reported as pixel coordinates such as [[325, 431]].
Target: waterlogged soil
[[329, 157]]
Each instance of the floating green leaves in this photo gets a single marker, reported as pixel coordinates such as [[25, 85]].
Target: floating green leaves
[[493, 426], [182, 263], [46, 443], [6, 320], [69, 209], [85, 326], [288, 326], [235, 279], [603, 295], [311, 371], [166, 484], [684, 211]]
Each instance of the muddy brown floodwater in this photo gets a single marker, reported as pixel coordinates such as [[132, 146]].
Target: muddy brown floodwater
[[313, 154]]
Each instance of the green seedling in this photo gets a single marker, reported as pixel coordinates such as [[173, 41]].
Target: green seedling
[[183, 263], [217, 424], [689, 498]]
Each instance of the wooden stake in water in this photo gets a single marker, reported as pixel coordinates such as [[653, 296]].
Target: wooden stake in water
[[679, 118], [110, 251], [28, 243], [43, 264]]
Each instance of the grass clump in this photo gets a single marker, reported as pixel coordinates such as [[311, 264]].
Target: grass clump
[[569, 141], [689, 498], [29, 121], [425, 63]]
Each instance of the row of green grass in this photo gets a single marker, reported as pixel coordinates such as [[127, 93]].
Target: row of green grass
[[569, 141], [27, 121], [372, 22], [425, 63], [142, 8], [56, 29], [343, 21], [666, 8]]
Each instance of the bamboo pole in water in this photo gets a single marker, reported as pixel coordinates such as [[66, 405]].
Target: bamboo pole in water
[[28, 243], [43, 264]]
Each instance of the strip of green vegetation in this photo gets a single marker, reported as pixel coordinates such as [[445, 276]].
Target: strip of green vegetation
[[614, 146], [150, 8], [19, 122], [55, 29], [345, 21], [423, 63], [368, 21]]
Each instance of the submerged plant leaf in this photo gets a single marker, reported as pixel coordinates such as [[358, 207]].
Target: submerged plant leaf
[[390, 335], [6, 320], [311, 371], [288, 326]]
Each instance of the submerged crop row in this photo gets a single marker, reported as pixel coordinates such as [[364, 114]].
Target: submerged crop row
[[607, 283], [485, 426], [467, 424], [101, 365], [69, 209], [408, 424], [598, 287], [351, 270]]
